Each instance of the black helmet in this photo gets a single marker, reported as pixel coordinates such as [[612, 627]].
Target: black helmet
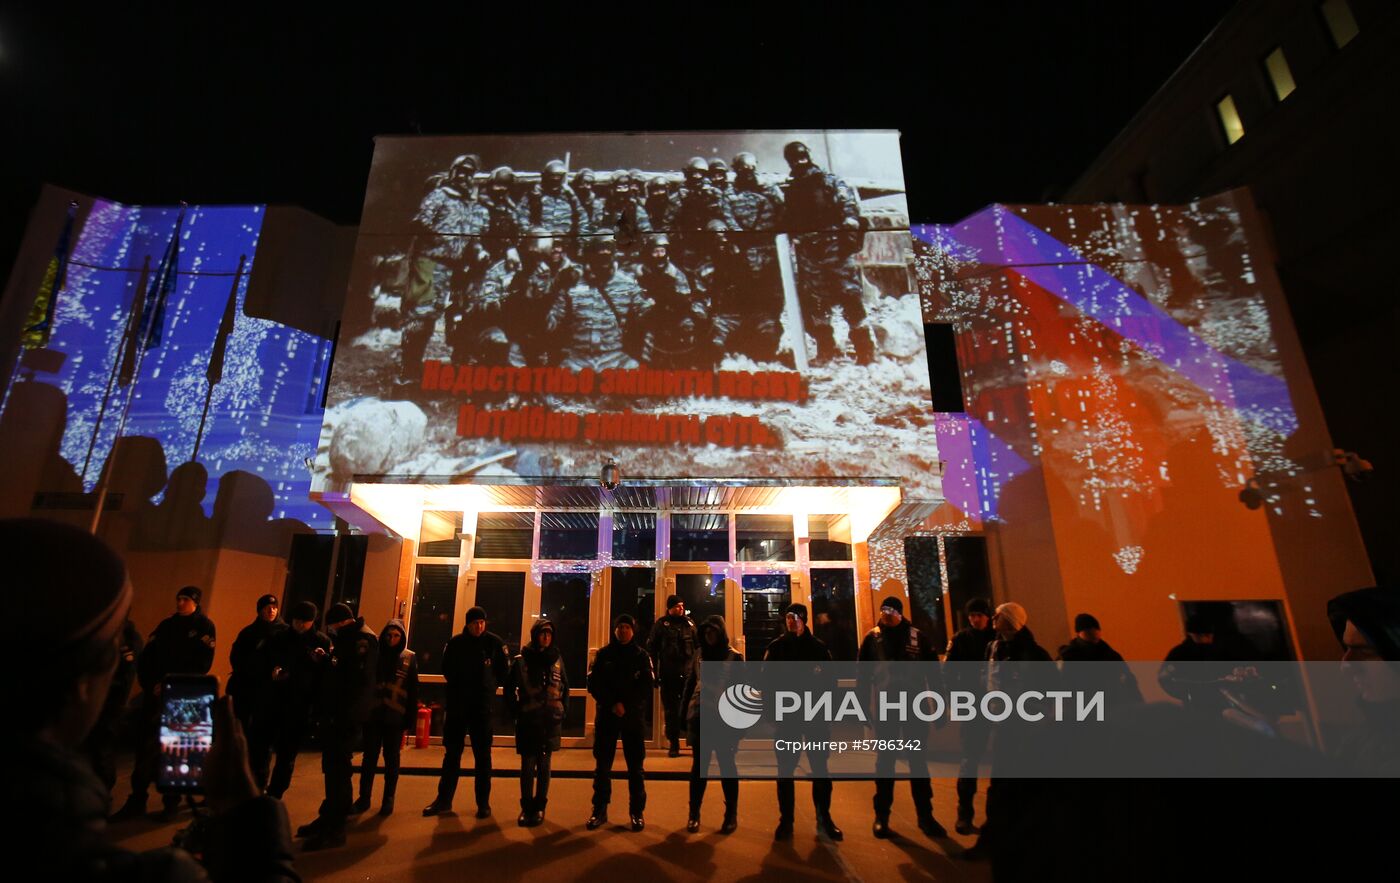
[[796, 153], [745, 162], [504, 176], [467, 164], [554, 172]]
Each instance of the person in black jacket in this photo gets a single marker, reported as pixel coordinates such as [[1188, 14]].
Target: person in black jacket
[[296, 661], [1111, 675], [537, 695], [73, 591], [895, 640], [474, 663], [247, 659], [714, 647], [396, 687], [620, 682], [181, 644], [968, 651], [112, 727], [672, 648], [798, 644], [346, 699]]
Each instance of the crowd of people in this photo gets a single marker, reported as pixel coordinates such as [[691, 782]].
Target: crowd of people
[[588, 270], [362, 689]]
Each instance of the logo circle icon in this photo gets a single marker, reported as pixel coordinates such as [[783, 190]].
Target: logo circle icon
[[740, 706]]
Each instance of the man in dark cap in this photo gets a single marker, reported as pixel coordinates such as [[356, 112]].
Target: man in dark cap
[[672, 645], [74, 592], [347, 697], [1367, 623], [1111, 676], [895, 640], [968, 651], [296, 661], [798, 644], [247, 659], [620, 682], [1183, 678], [182, 644], [474, 663]]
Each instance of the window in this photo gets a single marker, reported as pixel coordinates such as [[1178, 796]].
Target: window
[[700, 537], [634, 593], [502, 595], [833, 611], [564, 602], [1280, 75], [438, 536], [634, 536], [945, 377], [703, 594], [830, 537], [569, 535], [764, 538], [767, 596], [505, 534], [434, 604], [1230, 122], [1340, 22]]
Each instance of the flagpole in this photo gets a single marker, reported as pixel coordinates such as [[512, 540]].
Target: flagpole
[[155, 311], [216, 358], [117, 362]]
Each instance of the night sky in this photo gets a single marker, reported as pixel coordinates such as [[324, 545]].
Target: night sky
[[215, 104]]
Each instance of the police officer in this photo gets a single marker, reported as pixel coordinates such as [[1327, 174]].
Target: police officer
[[719, 176], [530, 293], [678, 331], [620, 682], [181, 644], [448, 260], [968, 651], [755, 321], [553, 206], [347, 697], [503, 210], [798, 644], [673, 644], [624, 214], [396, 688], [296, 661], [894, 640], [823, 212], [247, 659], [585, 187], [691, 208], [594, 310], [474, 663]]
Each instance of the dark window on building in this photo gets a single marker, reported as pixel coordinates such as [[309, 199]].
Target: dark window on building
[[764, 538], [634, 536], [502, 594], [1230, 123], [568, 535], [634, 593], [703, 594], [564, 602], [1280, 74], [309, 576], [830, 537], [700, 536], [767, 596], [505, 534], [434, 606], [438, 536], [945, 378], [968, 575], [925, 582], [1341, 24], [833, 611]]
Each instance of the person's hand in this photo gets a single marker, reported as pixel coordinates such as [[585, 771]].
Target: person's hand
[[319, 652], [279, 674], [228, 780], [619, 710]]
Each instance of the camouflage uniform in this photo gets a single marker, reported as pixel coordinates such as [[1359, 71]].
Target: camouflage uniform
[[503, 229], [679, 332], [479, 334], [452, 260], [559, 212], [532, 294], [754, 315], [823, 213], [595, 312], [688, 212]]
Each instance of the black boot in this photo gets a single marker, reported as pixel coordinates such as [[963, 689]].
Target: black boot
[[675, 748], [881, 829], [692, 822], [537, 818], [527, 813], [930, 826], [826, 826], [783, 832], [598, 819], [731, 820], [391, 784]]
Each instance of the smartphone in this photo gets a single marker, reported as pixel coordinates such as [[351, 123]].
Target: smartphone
[[186, 732]]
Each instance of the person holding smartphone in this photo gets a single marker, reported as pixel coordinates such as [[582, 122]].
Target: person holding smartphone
[[74, 590], [183, 643]]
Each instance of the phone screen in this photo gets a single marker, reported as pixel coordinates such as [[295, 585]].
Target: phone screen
[[186, 732]]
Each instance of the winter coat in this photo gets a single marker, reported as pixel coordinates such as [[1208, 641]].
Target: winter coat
[[696, 695], [293, 667], [179, 645], [902, 643], [63, 825], [396, 681], [248, 658], [1110, 673], [537, 694], [1019, 648], [672, 645], [474, 668], [622, 673], [348, 688]]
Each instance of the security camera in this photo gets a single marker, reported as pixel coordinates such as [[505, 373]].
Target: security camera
[[611, 475]]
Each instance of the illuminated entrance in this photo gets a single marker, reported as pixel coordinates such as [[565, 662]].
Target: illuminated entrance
[[581, 556]]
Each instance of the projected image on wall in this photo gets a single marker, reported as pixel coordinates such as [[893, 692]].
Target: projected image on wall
[[707, 304]]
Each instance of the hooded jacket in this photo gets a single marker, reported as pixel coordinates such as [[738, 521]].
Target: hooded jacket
[[396, 680], [695, 695], [537, 694]]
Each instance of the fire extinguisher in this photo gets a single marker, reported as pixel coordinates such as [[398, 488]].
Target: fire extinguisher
[[425, 727]]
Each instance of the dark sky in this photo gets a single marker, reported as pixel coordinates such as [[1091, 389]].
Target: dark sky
[[210, 103]]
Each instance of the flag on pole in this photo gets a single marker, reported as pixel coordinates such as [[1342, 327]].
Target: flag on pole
[[39, 323], [215, 372], [147, 323]]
